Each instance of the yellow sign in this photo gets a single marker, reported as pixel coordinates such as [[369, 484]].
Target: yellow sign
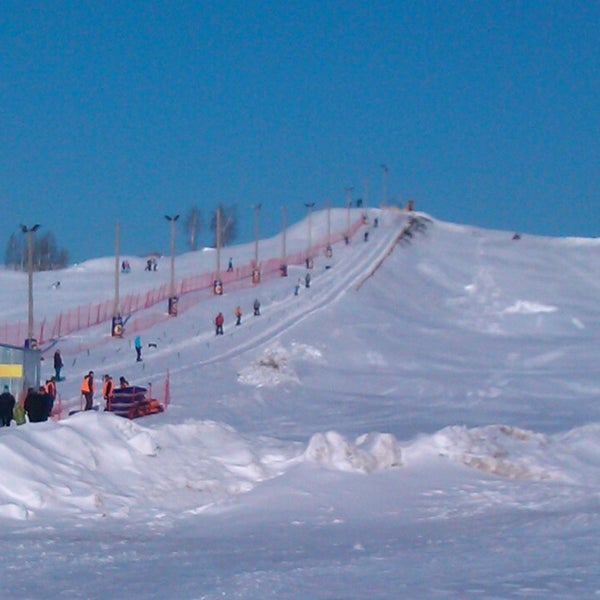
[[11, 370]]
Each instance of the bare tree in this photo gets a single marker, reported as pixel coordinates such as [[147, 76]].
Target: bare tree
[[228, 221], [192, 225], [47, 255]]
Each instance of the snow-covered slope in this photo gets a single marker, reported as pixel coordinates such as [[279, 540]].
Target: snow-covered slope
[[422, 422]]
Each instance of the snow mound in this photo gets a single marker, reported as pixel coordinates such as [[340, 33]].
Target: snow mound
[[270, 370], [102, 464], [500, 450], [370, 452]]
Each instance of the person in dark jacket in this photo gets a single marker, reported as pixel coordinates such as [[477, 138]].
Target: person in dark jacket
[[35, 408], [47, 402], [7, 405], [256, 307], [58, 365]]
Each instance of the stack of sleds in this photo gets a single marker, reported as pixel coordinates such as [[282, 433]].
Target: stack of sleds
[[132, 402]]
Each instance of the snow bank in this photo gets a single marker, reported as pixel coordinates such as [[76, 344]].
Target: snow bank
[[101, 464], [498, 449], [370, 452]]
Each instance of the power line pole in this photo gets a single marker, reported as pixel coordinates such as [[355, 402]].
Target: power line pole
[[30, 342]]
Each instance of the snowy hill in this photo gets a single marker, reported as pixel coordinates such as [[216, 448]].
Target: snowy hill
[[421, 422]]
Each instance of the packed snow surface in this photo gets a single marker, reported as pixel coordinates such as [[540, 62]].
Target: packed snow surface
[[421, 422]]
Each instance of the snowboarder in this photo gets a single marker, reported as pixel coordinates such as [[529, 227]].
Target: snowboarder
[[219, 320], [58, 365], [256, 307], [138, 347], [238, 315], [87, 390], [7, 405]]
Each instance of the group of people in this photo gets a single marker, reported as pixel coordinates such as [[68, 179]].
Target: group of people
[[37, 406], [220, 319], [151, 264], [108, 388], [302, 282]]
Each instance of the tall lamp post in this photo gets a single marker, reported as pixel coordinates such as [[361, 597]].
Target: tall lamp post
[[283, 267], [256, 269], [172, 297], [384, 172], [30, 342], [349, 191], [328, 249], [116, 329], [309, 260]]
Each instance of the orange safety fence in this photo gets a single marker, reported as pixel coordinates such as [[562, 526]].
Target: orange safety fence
[[84, 317]]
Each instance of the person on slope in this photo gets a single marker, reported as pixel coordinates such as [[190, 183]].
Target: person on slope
[[138, 347], [256, 307], [238, 315], [87, 390], [58, 364], [219, 320], [107, 390]]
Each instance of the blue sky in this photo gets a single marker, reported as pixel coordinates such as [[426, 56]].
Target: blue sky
[[484, 113]]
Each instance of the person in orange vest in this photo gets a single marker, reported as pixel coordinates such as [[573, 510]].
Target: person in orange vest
[[50, 389], [238, 315], [219, 320], [87, 390], [107, 390]]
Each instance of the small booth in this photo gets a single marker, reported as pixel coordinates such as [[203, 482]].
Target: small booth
[[20, 368]]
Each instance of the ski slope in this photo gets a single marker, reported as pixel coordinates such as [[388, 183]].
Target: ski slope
[[422, 422]]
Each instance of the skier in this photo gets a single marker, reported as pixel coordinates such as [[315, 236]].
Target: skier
[[256, 307], [219, 320], [297, 286], [138, 347], [307, 280], [238, 315]]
